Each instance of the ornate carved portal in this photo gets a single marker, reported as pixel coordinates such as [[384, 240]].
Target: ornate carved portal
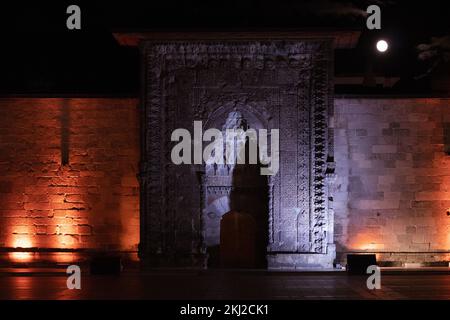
[[276, 84]]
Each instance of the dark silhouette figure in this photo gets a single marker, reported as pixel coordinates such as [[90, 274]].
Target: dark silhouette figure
[[244, 230]]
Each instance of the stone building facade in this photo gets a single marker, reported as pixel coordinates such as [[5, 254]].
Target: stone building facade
[[84, 176], [391, 193], [274, 84]]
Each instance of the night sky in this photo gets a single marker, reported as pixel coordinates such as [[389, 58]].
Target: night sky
[[40, 56]]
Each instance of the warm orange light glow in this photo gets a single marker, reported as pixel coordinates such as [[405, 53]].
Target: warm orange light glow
[[65, 257], [448, 240], [366, 242], [372, 246], [22, 242], [20, 256], [71, 209], [65, 240]]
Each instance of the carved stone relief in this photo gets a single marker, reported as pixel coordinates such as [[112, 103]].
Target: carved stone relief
[[283, 85]]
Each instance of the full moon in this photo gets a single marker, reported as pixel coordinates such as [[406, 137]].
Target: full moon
[[382, 45]]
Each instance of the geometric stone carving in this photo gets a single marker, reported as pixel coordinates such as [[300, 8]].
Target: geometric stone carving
[[273, 84]]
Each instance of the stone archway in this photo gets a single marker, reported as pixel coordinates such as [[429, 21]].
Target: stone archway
[[286, 82], [237, 190]]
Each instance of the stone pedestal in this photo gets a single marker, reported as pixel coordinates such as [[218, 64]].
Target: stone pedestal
[[302, 261]]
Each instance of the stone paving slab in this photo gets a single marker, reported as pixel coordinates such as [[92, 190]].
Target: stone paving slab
[[219, 284]]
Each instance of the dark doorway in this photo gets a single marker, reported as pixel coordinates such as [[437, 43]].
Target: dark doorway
[[244, 230], [237, 222], [238, 242]]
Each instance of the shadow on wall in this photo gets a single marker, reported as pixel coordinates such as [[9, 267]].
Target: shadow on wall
[[447, 138], [244, 230]]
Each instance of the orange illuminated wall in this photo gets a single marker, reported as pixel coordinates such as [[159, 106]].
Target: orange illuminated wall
[[68, 171]]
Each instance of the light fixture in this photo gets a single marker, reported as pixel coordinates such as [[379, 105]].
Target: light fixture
[[382, 45]]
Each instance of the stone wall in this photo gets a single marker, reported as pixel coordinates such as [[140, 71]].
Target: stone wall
[[68, 173], [392, 191], [393, 178]]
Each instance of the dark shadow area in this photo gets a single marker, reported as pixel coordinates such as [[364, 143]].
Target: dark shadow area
[[447, 138], [40, 55], [65, 132], [247, 221]]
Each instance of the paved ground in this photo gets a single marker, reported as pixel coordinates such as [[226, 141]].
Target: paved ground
[[219, 284]]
